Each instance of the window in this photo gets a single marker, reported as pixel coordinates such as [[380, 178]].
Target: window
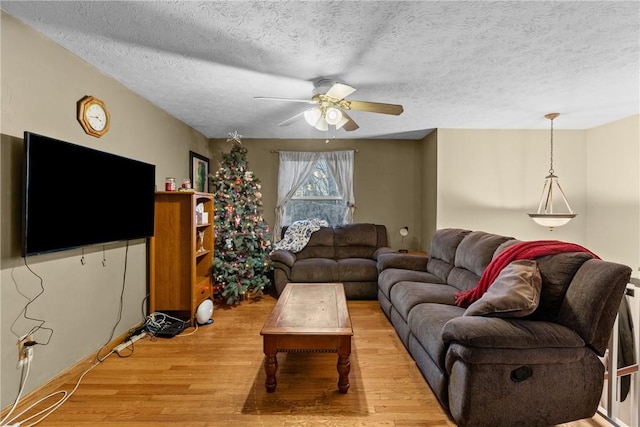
[[314, 185], [317, 197]]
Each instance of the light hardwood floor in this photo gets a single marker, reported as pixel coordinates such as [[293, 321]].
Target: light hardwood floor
[[215, 377]]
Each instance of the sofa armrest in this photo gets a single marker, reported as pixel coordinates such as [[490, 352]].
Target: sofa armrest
[[496, 332], [285, 257], [402, 261], [382, 250]]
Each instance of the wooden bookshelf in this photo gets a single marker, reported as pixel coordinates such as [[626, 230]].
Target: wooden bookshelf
[[181, 253]]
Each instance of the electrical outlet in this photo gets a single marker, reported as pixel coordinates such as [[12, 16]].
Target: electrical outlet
[[22, 354]]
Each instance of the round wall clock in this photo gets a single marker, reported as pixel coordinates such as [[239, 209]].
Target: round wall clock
[[93, 116]]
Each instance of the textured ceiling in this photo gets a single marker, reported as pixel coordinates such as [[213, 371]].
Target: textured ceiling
[[477, 64]]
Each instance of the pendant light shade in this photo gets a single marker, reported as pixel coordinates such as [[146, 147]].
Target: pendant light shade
[[547, 215]]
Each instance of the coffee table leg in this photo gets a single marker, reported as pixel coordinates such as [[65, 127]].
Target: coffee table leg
[[270, 364], [344, 363]]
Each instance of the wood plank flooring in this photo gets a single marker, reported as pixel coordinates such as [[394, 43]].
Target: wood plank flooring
[[215, 377]]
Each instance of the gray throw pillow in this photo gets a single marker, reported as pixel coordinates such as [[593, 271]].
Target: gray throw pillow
[[514, 293]]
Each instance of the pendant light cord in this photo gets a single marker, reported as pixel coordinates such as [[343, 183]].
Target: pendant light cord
[[551, 156]]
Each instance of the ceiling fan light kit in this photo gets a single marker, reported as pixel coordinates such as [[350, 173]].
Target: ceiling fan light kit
[[329, 96], [312, 116], [333, 116]]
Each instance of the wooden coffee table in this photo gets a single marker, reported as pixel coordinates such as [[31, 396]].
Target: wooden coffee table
[[309, 317]]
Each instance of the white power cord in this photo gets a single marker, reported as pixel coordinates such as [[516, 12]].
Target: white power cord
[[48, 410], [156, 319], [26, 361], [25, 375]]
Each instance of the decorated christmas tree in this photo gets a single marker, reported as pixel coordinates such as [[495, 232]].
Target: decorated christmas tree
[[241, 263]]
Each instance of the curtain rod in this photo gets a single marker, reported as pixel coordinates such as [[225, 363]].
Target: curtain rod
[[327, 151]]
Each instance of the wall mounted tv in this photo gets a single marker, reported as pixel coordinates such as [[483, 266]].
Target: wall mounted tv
[[77, 196]]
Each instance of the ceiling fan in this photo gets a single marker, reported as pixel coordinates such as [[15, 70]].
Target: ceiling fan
[[331, 106]]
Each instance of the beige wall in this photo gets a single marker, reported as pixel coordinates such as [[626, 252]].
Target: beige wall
[[385, 185], [428, 177], [613, 188], [490, 179], [41, 83]]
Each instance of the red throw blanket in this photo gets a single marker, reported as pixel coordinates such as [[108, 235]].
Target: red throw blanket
[[521, 250]]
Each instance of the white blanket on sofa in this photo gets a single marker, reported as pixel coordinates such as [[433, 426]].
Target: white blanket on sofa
[[298, 234]]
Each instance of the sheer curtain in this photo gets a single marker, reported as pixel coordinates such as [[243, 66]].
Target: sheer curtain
[[294, 168], [341, 165]]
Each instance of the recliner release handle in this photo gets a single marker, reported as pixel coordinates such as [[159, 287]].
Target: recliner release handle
[[520, 374]]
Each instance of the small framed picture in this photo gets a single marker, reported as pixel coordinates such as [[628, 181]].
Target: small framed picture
[[199, 171]]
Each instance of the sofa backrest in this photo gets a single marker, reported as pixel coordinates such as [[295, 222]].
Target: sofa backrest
[[592, 299], [344, 241], [321, 245], [557, 272], [359, 240], [442, 251], [473, 255]]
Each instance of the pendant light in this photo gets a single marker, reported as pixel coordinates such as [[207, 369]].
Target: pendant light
[[546, 215]]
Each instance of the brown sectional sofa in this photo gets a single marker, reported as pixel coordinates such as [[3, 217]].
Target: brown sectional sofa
[[538, 370], [343, 253]]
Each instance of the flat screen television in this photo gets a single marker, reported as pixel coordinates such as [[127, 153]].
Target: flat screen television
[[76, 196]]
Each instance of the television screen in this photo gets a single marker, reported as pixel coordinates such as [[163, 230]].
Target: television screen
[[76, 196]]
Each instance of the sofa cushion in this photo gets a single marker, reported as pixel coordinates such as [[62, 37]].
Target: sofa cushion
[[442, 250], [356, 240], [592, 301], [391, 276], [439, 268], [406, 295], [445, 242], [481, 332], [426, 322], [316, 270], [473, 255], [401, 261], [320, 245], [556, 271], [356, 235], [514, 293], [462, 279], [505, 246], [357, 270], [476, 251]]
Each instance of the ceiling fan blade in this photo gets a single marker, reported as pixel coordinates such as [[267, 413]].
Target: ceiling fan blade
[[268, 98], [291, 119], [374, 107], [350, 125], [340, 91]]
